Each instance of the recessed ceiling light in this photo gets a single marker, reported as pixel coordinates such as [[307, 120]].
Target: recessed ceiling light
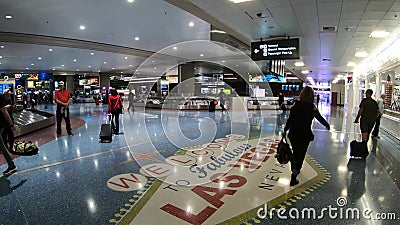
[[90, 66], [77, 69], [74, 60], [39, 58], [105, 62], [1, 57], [361, 54], [2, 46], [379, 34], [82, 27], [152, 61], [92, 53], [237, 65], [304, 72], [175, 48], [191, 24], [113, 68], [223, 61], [201, 55], [126, 57], [50, 49], [218, 31], [351, 64], [9, 17], [299, 64], [62, 65], [122, 72], [54, 69], [32, 64], [130, 0], [130, 65], [0, 63], [137, 38], [27, 68], [240, 1]]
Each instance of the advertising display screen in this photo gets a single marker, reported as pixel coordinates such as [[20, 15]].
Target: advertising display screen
[[275, 49], [266, 78]]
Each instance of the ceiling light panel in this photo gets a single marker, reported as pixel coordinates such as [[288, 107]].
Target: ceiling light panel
[[240, 1], [379, 34], [361, 54]]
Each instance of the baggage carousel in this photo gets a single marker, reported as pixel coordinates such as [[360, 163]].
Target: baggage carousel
[[28, 121]]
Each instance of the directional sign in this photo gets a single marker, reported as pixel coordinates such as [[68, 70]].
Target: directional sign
[[275, 49]]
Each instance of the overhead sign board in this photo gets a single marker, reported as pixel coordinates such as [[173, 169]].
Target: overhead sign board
[[275, 49]]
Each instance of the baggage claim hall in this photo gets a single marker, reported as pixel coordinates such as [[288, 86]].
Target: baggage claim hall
[[207, 88]]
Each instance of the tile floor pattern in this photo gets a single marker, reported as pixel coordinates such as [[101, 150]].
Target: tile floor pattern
[[66, 183]]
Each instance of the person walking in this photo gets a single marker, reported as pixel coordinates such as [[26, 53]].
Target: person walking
[[115, 107], [368, 112], [222, 98], [380, 102], [63, 99], [8, 134], [131, 98], [6, 121], [299, 126]]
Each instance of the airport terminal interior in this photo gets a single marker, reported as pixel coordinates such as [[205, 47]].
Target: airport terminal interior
[[207, 87]]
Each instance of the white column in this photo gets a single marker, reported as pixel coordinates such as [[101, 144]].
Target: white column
[[378, 85], [356, 94]]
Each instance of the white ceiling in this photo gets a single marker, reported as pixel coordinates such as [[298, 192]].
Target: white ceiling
[[112, 25]]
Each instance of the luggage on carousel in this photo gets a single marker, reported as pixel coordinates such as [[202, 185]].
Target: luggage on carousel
[[106, 132]]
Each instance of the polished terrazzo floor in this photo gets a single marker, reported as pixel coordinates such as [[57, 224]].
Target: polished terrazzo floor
[[74, 180]]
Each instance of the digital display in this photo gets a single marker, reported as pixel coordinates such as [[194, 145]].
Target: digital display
[[172, 80], [45, 76], [4, 87], [31, 84], [275, 49], [266, 78]]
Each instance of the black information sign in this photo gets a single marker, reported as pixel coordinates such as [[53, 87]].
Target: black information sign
[[275, 49]]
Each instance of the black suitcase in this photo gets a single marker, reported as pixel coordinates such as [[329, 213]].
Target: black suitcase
[[106, 132], [358, 149]]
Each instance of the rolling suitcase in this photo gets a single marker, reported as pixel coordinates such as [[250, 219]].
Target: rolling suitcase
[[358, 149], [106, 132]]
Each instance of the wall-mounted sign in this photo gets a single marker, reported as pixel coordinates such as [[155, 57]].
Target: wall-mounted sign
[[275, 49]]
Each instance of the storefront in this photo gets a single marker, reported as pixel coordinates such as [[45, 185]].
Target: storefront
[[382, 75]]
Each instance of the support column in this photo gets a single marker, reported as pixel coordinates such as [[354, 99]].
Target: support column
[[70, 83], [104, 80], [186, 79], [377, 85], [356, 94]]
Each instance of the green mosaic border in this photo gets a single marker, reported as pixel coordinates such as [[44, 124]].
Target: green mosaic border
[[286, 200]]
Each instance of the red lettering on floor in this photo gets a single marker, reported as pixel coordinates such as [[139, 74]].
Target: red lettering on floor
[[187, 216], [123, 179], [214, 199]]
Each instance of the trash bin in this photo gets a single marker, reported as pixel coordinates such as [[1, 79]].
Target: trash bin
[[211, 106]]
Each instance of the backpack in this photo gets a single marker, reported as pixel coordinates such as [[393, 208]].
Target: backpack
[[24, 148], [283, 153]]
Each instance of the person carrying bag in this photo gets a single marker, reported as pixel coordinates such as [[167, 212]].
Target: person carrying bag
[[115, 107]]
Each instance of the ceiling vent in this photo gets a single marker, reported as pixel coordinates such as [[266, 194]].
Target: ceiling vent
[[329, 29]]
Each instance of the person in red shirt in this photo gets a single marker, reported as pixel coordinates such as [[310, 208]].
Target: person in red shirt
[[115, 108], [63, 99]]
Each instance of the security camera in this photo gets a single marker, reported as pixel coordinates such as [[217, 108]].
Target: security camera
[[259, 14]]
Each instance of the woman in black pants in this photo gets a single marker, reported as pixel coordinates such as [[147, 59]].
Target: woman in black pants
[[299, 126]]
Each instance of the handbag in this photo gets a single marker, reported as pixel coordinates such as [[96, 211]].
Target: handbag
[[284, 152], [24, 148]]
